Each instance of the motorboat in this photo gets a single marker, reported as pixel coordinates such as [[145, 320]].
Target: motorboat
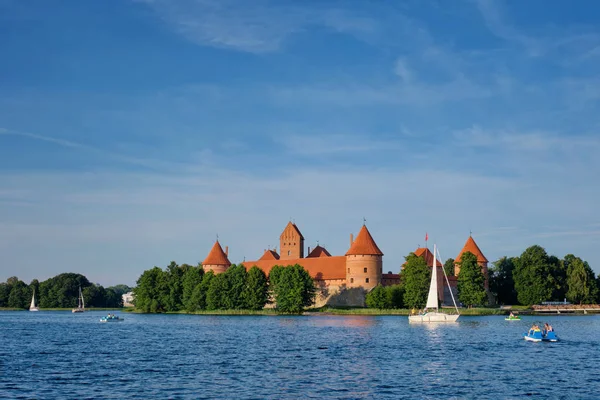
[[111, 318]]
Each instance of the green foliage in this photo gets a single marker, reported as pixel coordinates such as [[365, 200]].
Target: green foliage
[[502, 284], [217, 296], [292, 287], [236, 279], [386, 297], [558, 271], [416, 277], [200, 291], [449, 267], [4, 293], [471, 281], [19, 296], [534, 281], [62, 291], [191, 279], [172, 296], [255, 293], [94, 294], [120, 290], [378, 298], [150, 291], [582, 286]]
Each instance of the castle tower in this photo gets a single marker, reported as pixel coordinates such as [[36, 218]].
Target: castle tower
[[291, 243], [216, 260], [363, 261], [472, 247]]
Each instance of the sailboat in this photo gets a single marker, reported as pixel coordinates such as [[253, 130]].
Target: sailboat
[[33, 307], [80, 303], [432, 299]]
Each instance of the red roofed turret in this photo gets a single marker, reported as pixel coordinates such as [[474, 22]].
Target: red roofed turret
[[216, 260], [472, 247], [364, 244], [363, 261]]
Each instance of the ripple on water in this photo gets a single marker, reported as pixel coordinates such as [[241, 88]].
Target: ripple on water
[[179, 356]]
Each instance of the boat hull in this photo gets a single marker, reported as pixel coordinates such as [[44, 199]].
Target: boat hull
[[111, 319], [76, 310], [512, 319], [538, 336], [433, 317]]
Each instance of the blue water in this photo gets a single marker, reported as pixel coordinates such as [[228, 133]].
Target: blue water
[[73, 356]]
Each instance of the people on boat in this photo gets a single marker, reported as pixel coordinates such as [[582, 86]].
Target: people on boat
[[548, 327], [511, 315]]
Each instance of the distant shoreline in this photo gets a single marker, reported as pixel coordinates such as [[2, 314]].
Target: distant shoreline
[[470, 312]]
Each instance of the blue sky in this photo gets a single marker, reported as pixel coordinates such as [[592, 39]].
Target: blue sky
[[133, 132]]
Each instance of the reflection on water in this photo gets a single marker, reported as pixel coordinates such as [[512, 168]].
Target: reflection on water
[[59, 355]]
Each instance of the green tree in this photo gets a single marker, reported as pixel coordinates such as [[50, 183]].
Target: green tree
[[62, 291], [236, 279], [217, 296], [471, 281], [533, 278], [416, 277], [200, 291], [94, 296], [191, 279], [581, 282], [396, 295], [172, 297], [502, 284], [150, 291], [449, 267], [4, 293], [255, 293], [112, 298], [19, 296], [293, 289], [379, 298], [558, 270], [120, 289]]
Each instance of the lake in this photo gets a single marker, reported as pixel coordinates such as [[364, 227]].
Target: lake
[[73, 356]]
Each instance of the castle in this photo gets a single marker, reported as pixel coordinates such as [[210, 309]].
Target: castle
[[361, 266]]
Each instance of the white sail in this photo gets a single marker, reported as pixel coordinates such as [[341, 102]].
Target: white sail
[[32, 300], [81, 295], [432, 298]]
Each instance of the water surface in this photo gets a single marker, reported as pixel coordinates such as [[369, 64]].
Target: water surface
[[74, 356]]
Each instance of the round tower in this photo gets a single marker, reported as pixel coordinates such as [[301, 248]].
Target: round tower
[[364, 262], [216, 260]]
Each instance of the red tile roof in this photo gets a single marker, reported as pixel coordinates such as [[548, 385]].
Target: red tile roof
[[216, 256], [270, 255], [364, 244], [472, 247], [319, 252], [320, 268], [428, 256], [292, 230]]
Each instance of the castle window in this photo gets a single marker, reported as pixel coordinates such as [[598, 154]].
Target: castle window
[[351, 280], [366, 270], [348, 269], [289, 252], [367, 280]]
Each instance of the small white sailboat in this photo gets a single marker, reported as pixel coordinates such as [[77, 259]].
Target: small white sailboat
[[80, 303], [33, 307], [432, 299]]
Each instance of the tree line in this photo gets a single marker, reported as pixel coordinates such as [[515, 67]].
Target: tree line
[[60, 291], [531, 278], [189, 288]]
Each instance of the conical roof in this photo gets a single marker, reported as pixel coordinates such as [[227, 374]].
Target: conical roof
[[472, 247], [427, 256], [270, 255], [216, 256], [319, 252], [364, 244]]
